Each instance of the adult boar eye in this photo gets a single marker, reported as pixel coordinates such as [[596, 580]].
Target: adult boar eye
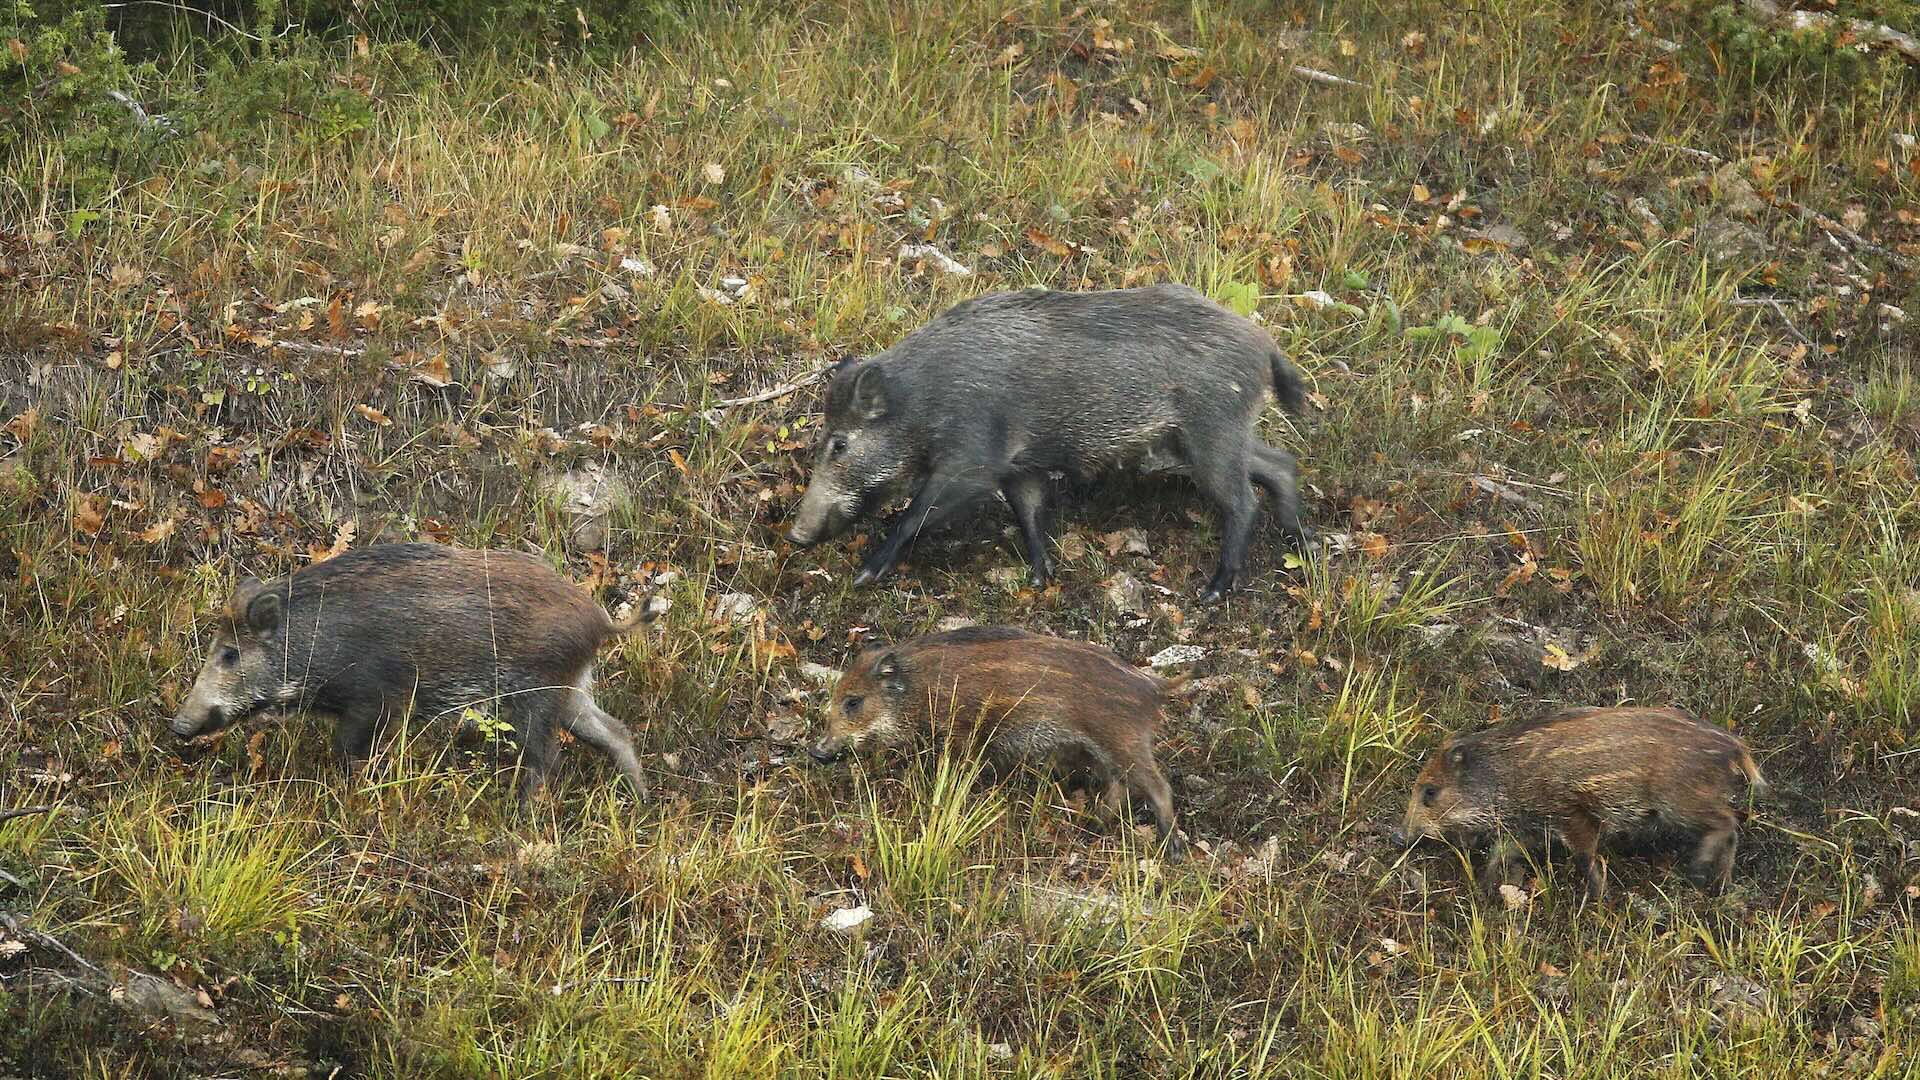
[[1428, 795], [853, 704], [837, 446], [229, 656]]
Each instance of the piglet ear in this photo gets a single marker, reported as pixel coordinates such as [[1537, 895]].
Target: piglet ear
[[264, 612], [869, 392], [890, 672]]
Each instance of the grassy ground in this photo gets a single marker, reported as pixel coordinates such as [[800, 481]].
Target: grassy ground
[[1614, 401]]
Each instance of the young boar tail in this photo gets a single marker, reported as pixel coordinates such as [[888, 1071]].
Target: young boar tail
[[1288, 384], [634, 619], [1176, 687], [1756, 783]]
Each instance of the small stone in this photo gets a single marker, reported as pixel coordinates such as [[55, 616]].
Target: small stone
[[1126, 593], [1174, 655], [1507, 235], [735, 607], [159, 999], [928, 255], [845, 919], [819, 673]]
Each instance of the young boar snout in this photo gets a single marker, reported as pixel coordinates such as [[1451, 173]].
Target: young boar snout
[[828, 751]]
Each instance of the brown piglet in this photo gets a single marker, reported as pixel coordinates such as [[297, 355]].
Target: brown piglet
[[1013, 698], [1582, 775]]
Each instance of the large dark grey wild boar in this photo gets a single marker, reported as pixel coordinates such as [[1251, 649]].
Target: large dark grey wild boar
[[373, 634], [1001, 390]]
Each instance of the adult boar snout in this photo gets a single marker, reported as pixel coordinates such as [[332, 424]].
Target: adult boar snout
[[186, 725]]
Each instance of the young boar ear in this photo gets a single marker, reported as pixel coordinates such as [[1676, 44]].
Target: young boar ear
[[1457, 756], [891, 675], [870, 392], [263, 612]]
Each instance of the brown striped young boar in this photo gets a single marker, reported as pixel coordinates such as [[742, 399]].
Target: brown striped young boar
[[1013, 698], [1583, 775], [379, 632], [1001, 391]]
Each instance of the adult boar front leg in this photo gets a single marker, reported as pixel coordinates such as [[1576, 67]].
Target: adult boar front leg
[[939, 500]]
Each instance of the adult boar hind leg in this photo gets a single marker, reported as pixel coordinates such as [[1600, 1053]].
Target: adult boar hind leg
[[1273, 469], [532, 716], [593, 726], [1027, 494], [1227, 483], [939, 500]]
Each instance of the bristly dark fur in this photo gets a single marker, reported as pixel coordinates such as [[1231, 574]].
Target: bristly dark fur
[[1001, 391], [375, 633]]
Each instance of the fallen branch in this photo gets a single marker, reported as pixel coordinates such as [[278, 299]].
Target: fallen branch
[[1699, 155], [1831, 227], [1324, 78], [1501, 491], [15, 925], [1779, 308], [319, 350], [769, 395], [25, 811], [1870, 32]]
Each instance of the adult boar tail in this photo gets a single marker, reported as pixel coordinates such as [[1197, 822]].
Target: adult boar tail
[[1288, 384]]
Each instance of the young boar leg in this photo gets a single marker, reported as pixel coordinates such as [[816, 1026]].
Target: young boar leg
[[939, 500], [1027, 494], [1582, 834], [1493, 872], [1273, 469], [1712, 866], [593, 726], [1226, 481], [536, 761], [353, 732], [1148, 782]]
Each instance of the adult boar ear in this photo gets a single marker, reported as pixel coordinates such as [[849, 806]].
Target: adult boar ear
[[891, 675], [263, 612], [870, 392]]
